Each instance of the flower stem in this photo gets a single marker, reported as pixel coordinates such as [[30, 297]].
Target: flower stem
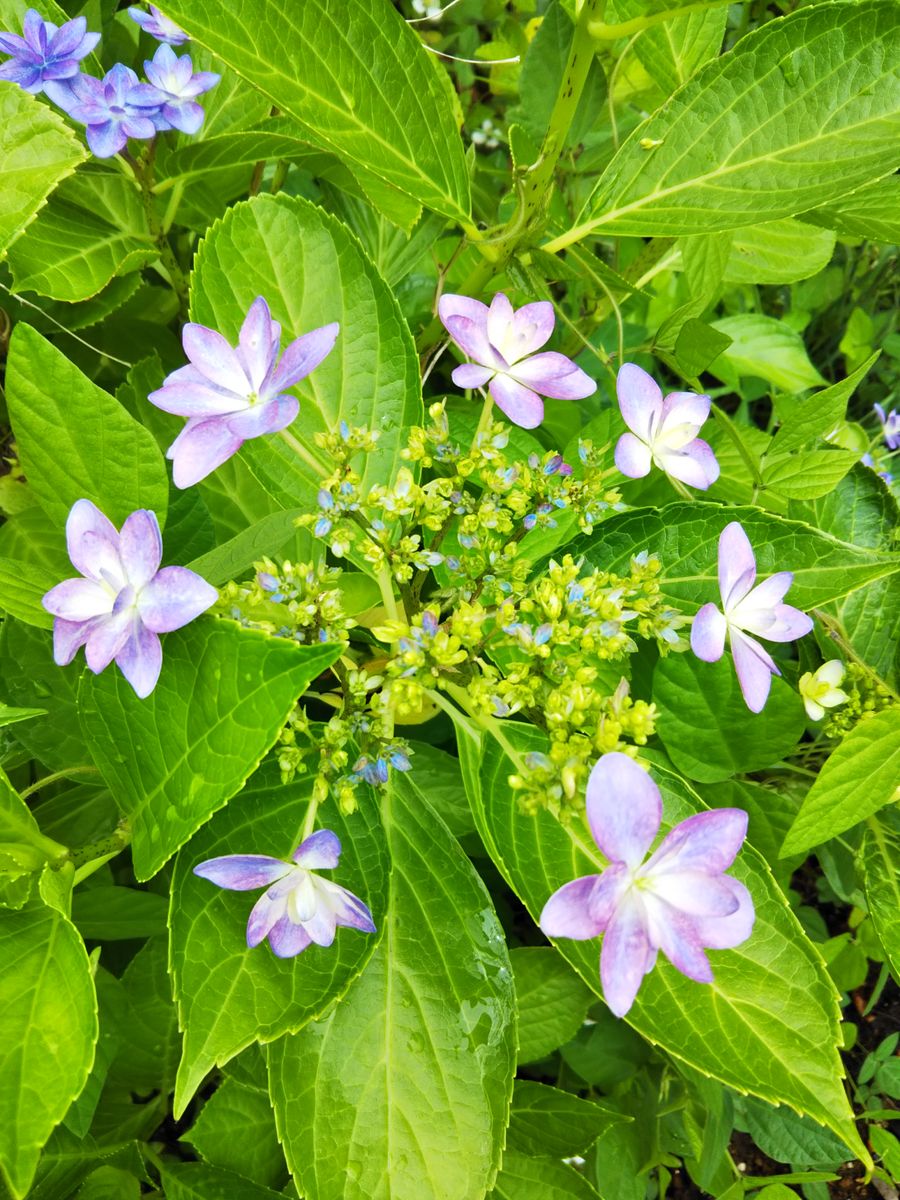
[[309, 823], [488, 724], [388, 597], [301, 451], [143, 173], [55, 778], [483, 421]]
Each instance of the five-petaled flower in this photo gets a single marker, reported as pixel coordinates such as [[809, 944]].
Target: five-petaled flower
[[747, 610], [232, 394], [113, 108], [502, 344], [679, 901], [820, 689], [663, 431], [890, 426], [298, 907], [173, 89], [45, 53], [158, 26], [123, 600]]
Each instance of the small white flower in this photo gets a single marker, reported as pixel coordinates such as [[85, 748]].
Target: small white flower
[[820, 690]]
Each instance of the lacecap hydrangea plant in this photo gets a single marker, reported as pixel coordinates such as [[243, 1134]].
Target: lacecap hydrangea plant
[[447, 494]]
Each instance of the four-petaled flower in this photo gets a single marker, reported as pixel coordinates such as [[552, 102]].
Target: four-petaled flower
[[123, 600], [231, 394], [158, 26], [679, 901], [502, 343], [173, 89], [820, 689], [299, 907], [46, 53], [663, 431], [113, 109], [747, 610], [890, 426]]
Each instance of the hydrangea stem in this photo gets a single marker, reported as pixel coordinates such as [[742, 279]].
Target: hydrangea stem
[[143, 173], [301, 451], [488, 724]]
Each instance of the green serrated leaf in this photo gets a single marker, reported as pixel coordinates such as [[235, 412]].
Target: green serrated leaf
[[264, 537], [173, 759], [75, 440], [114, 913], [21, 587], [820, 413], [767, 1025], [423, 1043], [705, 725], [48, 1027], [229, 996], [525, 1178], [197, 1181], [767, 349], [313, 271], [147, 1057], [856, 780], [778, 252], [37, 150], [356, 77], [236, 1131], [550, 1123], [552, 1000], [869, 212], [12, 716], [880, 860], [798, 114], [672, 51], [806, 475]]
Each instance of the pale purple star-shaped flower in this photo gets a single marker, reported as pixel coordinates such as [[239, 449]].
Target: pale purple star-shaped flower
[[679, 901], [663, 431], [298, 907], [112, 108], [890, 426], [45, 53], [747, 610], [158, 26], [173, 89], [232, 394], [502, 344], [123, 600]]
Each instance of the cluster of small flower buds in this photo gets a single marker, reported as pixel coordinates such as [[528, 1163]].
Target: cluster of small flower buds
[[301, 601], [867, 695]]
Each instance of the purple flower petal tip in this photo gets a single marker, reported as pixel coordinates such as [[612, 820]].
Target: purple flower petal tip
[[678, 901]]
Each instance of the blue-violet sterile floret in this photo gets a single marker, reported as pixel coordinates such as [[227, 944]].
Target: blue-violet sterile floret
[[298, 907], [502, 342], [113, 109], [45, 53], [158, 26], [230, 394], [663, 431], [173, 87], [122, 601], [678, 901], [747, 610]]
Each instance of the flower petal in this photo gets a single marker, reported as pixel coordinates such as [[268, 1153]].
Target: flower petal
[[107, 638], [211, 354], [831, 672], [472, 339], [640, 400], [623, 959], [678, 936], [320, 851], [695, 464], [93, 543], [724, 933], [532, 327], [242, 872], [695, 892], [470, 375], [184, 115], [140, 659], [348, 909], [106, 138], [68, 638], [524, 407], [264, 418], [78, 600], [789, 624], [140, 547], [737, 565], [707, 842], [303, 355], [189, 398], [499, 324], [322, 924], [287, 939], [265, 913], [683, 409], [708, 633], [173, 598], [754, 667], [451, 305], [554, 375], [199, 449], [255, 346], [568, 913], [624, 808], [633, 457]]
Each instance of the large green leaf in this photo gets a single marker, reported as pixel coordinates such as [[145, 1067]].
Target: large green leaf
[[801, 112], [778, 252], [767, 349], [36, 152], [768, 1024], [552, 1001], [547, 1121], [92, 228], [685, 538], [236, 1131], [526, 1178], [671, 51], [76, 441], [229, 996], [880, 859], [858, 779], [403, 1091], [22, 585], [872, 211], [706, 727], [355, 75], [175, 758], [819, 413], [312, 270], [48, 1027], [198, 1181]]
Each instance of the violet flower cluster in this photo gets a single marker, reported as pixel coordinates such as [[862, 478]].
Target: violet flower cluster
[[123, 601], [679, 901], [299, 907], [118, 106]]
